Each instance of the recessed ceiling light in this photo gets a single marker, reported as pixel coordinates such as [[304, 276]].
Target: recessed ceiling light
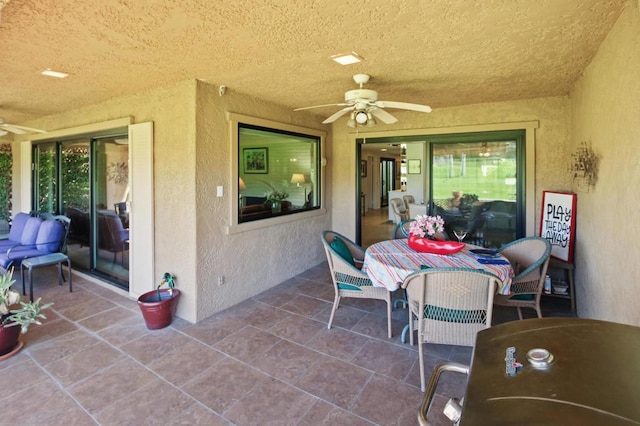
[[56, 74], [383, 149], [347, 58]]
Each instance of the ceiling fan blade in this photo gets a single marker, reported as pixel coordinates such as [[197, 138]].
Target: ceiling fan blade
[[337, 115], [383, 116], [2, 132], [20, 130], [403, 105], [320, 106], [12, 129]]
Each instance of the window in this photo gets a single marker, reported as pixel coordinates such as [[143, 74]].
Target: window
[[278, 171]]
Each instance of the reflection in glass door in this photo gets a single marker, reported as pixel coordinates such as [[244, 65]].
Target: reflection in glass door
[[75, 192], [110, 196], [475, 188]]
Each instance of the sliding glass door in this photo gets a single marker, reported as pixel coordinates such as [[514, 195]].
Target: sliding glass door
[[87, 180], [475, 181]]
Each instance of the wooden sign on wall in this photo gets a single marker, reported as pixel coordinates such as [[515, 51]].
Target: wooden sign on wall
[[558, 223]]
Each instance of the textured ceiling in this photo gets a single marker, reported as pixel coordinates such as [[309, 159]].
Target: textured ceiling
[[439, 52]]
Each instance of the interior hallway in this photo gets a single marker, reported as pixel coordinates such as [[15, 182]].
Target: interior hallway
[[268, 360], [376, 226]]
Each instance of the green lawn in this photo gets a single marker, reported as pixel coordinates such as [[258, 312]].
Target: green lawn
[[484, 177]]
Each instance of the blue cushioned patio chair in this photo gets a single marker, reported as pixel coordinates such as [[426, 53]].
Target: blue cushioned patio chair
[[529, 258], [39, 238], [449, 306], [345, 259]]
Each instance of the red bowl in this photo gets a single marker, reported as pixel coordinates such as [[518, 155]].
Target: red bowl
[[425, 245]]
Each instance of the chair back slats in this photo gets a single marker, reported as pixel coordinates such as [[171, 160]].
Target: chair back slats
[[451, 304]]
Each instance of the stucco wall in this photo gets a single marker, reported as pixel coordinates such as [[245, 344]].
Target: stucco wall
[[551, 156], [606, 115], [192, 155], [252, 261], [172, 110]]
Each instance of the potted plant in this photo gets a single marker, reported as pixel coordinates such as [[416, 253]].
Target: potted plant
[[159, 306], [275, 198], [15, 321]]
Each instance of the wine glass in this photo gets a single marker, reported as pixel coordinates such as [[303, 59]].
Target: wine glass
[[460, 234]]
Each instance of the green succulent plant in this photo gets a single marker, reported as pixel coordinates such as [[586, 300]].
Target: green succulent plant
[[26, 314]]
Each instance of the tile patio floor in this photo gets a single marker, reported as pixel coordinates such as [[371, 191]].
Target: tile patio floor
[[269, 360]]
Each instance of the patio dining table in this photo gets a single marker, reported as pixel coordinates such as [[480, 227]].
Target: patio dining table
[[388, 263]]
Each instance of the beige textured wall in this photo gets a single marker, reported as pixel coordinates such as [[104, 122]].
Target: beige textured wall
[[253, 261], [552, 146], [606, 115], [192, 150], [172, 110]]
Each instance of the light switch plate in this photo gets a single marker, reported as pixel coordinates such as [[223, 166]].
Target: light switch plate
[[219, 191]]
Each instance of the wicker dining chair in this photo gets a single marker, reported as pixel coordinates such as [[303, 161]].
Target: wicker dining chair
[[345, 260], [529, 258], [449, 306]]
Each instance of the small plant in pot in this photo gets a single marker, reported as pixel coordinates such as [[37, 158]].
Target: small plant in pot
[[15, 316], [159, 306]]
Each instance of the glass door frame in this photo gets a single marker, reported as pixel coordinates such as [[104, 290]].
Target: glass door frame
[[57, 203], [526, 180]]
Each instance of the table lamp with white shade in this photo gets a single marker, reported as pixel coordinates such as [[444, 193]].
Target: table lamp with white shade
[[298, 179]]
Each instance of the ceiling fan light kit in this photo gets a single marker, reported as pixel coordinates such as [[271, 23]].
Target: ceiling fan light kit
[[364, 107]]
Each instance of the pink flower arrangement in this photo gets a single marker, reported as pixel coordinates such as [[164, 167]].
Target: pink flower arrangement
[[426, 226]]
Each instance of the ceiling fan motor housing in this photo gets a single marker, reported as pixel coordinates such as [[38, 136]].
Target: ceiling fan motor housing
[[360, 95]]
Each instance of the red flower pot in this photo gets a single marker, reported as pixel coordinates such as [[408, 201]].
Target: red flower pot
[[425, 245], [158, 313], [8, 338]]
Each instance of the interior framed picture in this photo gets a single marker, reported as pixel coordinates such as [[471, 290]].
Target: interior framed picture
[[363, 168], [558, 223], [413, 167], [255, 160]]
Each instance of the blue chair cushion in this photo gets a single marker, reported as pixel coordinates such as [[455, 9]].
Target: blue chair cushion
[[342, 249], [49, 236], [17, 226], [343, 286], [30, 232], [17, 254]]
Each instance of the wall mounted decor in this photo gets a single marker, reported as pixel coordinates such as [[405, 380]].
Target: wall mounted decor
[[413, 167], [584, 166]]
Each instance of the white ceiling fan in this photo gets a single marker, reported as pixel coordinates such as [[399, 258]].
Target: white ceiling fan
[[365, 106], [14, 128]]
